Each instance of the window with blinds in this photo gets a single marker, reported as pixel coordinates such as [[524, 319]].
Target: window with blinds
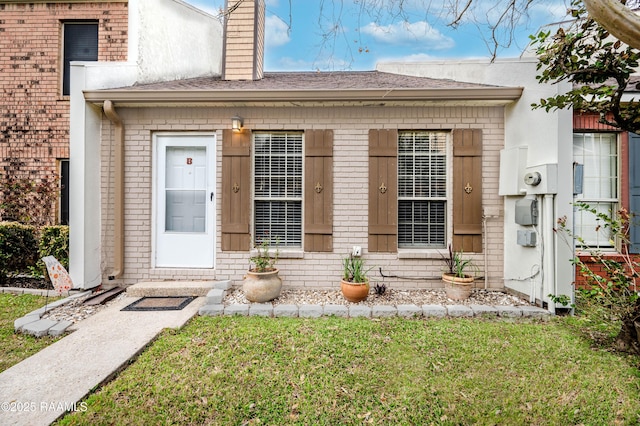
[[80, 43], [422, 189], [278, 188], [598, 152]]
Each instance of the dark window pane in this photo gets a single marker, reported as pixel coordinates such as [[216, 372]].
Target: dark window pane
[[64, 192], [80, 44]]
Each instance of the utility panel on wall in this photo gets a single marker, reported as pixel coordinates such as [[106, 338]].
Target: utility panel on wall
[[527, 212], [541, 179], [513, 162], [527, 238]]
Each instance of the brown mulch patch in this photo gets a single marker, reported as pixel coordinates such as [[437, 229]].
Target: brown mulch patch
[[26, 282]]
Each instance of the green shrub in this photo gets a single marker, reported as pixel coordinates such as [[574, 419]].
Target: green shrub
[[21, 248], [612, 282], [54, 241], [18, 248]]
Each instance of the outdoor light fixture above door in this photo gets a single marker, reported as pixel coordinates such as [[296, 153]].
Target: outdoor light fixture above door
[[236, 123]]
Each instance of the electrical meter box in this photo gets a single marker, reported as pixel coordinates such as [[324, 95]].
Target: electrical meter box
[[527, 238], [527, 211]]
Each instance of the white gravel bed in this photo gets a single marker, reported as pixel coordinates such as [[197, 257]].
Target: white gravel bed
[[390, 297], [75, 310]]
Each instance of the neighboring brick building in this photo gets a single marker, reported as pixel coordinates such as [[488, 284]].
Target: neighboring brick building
[[37, 42], [123, 43], [611, 181]]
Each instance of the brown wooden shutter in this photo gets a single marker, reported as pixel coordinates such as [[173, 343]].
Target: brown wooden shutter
[[236, 190], [383, 190], [318, 191], [467, 190]]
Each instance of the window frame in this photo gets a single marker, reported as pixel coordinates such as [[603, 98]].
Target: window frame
[[615, 202], [445, 199], [256, 198], [65, 69]]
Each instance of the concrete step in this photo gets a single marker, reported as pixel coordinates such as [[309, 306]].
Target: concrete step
[[175, 288]]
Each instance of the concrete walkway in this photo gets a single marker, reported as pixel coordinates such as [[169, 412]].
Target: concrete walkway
[[43, 387]]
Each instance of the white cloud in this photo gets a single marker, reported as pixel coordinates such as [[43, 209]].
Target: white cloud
[[276, 32], [405, 33], [286, 63], [418, 57], [549, 12], [212, 8]]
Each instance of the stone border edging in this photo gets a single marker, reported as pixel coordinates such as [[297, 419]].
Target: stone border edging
[[214, 307], [20, 291], [377, 311], [33, 323]]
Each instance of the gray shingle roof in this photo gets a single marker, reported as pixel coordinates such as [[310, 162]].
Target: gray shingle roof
[[359, 80], [317, 88]]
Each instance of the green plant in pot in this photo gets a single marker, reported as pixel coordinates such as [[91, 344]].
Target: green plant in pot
[[261, 282], [354, 283], [458, 283]]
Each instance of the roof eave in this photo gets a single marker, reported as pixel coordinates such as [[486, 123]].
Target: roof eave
[[193, 97]]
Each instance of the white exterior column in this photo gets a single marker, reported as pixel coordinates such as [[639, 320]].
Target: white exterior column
[[84, 198]]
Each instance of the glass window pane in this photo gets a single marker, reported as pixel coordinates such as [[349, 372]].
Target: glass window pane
[[80, 44], [591, 229], [278, 187], [598, 152], [185, 211], [279, 221], [422, 177], [421, 223]]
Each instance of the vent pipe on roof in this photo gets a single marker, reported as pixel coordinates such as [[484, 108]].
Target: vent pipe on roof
[[118, 205], [243, 56]]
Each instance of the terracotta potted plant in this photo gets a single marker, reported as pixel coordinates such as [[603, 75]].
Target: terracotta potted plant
[[355, 283], [262, 283], [458, 283]]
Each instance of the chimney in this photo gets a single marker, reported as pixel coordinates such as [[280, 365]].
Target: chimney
[[244, 40]]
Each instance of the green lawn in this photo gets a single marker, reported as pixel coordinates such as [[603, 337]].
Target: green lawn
[[233, 370], [15, 347]]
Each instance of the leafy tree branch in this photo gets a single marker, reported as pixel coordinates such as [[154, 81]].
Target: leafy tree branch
[[599, 66]]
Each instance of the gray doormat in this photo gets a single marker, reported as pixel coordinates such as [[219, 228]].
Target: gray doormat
[[160, 303]]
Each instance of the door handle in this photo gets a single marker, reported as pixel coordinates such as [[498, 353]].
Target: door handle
[[211, 196]]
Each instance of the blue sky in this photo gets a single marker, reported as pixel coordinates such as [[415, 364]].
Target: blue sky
[[295, 28]]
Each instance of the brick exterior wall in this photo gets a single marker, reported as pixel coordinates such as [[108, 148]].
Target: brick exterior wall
[[350, 126], [34, 116], [598, 269]]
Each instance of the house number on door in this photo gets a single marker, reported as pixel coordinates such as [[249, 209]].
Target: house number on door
[[189, 160]]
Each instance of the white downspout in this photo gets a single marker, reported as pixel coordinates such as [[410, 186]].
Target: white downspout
[[486, 249], [118, 207], [549, 277]]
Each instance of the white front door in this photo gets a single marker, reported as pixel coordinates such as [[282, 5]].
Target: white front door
[[184, 200]]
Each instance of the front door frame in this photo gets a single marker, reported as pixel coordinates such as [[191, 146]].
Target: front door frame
[[162, 140]]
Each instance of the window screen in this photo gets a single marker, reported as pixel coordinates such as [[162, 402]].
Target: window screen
[[278, 188], [80, 44], [422, 189]]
